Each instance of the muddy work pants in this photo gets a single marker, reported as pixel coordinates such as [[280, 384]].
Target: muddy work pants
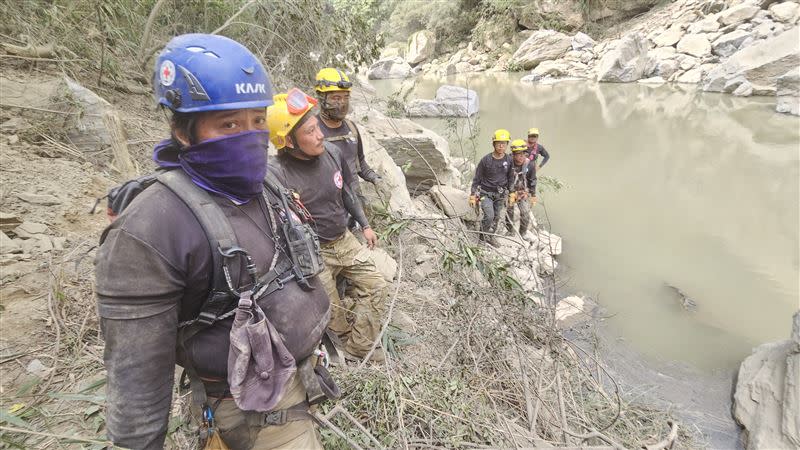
[[240, 429], [493, 206], [524, 207], [346, 256]]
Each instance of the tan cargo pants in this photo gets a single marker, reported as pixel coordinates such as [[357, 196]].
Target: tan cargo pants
[[232, 425], [348, 257]]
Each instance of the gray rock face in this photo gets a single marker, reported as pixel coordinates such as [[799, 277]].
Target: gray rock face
[[423, 155], [761, 63], [421, 46], [788, 92], [541, 46], [627, 62], [450, 101], [767, 398], [729, 43], [395, 67]]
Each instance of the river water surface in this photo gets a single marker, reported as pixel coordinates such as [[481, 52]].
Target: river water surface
[[664, 186]]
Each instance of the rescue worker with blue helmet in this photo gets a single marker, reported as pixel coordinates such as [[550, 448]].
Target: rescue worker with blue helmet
[[155, 268]]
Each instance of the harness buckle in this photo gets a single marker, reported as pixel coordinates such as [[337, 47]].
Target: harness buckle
[[275, 417], [206, 318]]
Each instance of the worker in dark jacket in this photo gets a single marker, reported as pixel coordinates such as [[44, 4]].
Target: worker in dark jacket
[[317, 172], [534, 150], [491, 184], [154, 265], [522, 185], [333, 93]]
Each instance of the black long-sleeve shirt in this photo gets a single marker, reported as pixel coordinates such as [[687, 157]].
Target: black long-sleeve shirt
[[539, 150], [347, 138], [493, 174], [153, 270], [325, 188]]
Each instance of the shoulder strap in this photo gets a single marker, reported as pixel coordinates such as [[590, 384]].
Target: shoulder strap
[[218, 231]]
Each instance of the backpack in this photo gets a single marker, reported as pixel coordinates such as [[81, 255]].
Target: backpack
[[302, 245]]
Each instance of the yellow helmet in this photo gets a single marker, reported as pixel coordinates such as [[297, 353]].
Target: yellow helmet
[[501, 135], [330, 79], [518, 145], [533, 131], [285, 113]]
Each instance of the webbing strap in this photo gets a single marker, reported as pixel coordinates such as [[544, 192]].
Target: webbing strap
[[211, 217]]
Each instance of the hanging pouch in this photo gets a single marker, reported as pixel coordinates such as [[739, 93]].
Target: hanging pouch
[[259, 365]]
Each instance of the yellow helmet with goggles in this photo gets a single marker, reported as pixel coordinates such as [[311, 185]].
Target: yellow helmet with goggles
[[518, 145], [330, 79], [285, 113]]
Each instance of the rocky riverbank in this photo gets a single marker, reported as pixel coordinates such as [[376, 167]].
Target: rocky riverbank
[[744, 48]]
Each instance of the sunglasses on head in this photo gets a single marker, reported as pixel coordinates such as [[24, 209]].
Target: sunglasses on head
[[339, 84], [297, 102]]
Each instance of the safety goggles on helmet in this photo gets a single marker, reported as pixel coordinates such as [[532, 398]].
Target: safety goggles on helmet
[[297, 102], [341, 84]]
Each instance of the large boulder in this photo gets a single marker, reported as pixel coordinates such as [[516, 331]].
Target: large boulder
[[738, 14], [393, 49], [453, 202], [785, 12], [541, 46], [695, 45], [626, 62], [423, 155], [788, 92], [421, 46], [761, 63], [450, 101], [767, 398], [392, 192], [394, 67]]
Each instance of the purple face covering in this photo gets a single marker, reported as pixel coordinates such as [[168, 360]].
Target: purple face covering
[[232, 166]]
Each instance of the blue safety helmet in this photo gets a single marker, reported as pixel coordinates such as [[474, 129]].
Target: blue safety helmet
[[204, 72]]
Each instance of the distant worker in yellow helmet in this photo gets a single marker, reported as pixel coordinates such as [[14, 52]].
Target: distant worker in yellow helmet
[[522, 186], [333, 92], [317, 173], [534, 150], [491, 185]]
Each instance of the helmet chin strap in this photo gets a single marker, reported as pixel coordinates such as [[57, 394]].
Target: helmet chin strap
[[297, 149]]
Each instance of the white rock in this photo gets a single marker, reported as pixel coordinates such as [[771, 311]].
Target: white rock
[[785, 12], [737, 14], [662, 53], [666, 68], [669, 37], [421, 46], [627, 62], [652, 80], [788, 92], [568, 307], [541, 46], [744, 90], [39, 199], [582, 41], [453, 202], [695, 45], [13, 139], [27, 230], [709, 24], [691, 76], [389, 68], [462, 102], [761, 63], [550, 68], [688, 62], [35, 367]]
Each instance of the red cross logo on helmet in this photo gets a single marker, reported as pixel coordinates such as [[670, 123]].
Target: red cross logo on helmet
[[167, 73]]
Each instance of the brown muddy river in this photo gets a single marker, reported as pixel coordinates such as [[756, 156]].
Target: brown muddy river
[[664, 186]]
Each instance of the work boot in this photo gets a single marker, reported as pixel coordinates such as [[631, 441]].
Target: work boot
[[378, 356]]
